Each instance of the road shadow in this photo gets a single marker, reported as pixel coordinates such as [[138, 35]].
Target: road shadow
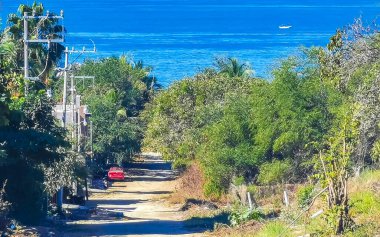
[[150, 165], [97, 202], [143, 193], [152, 170], [151, 227], [152, 179]]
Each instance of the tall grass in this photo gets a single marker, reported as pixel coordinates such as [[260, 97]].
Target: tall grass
[[274, 229]]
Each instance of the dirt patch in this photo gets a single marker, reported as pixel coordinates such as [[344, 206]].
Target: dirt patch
[[189, 185]]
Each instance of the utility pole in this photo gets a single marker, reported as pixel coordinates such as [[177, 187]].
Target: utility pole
[[64, 102], [60, 191], [26, 48], [61, 39], [73, 99], [92, 144], [66, 69], [78, 101], [72, 90], [65, 87], [48, 40]]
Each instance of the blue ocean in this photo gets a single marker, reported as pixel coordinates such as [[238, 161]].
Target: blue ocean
[[180, 37]]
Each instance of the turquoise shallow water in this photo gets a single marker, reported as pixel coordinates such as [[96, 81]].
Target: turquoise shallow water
[[179, 37]]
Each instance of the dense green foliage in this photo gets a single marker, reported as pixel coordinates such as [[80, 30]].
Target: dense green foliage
[[31, 141], [317, 118], [237, 126], [119, 93], [178, 115]]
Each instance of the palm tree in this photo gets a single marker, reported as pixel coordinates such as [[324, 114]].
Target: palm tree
[[42, 58], [149, 80], [9, 71], [233, 68], [8, 52], [7, 56]]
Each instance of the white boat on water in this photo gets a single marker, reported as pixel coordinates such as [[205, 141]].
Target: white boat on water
[[283, 27]]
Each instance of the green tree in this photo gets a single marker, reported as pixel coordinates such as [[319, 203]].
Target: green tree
[[226, 147], [31, 140], [233, 68], [290, 114], [176, 116], [115, 100]]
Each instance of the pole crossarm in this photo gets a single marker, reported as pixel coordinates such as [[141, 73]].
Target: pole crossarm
[[84, 77], [81, 51], [43, 17], [45, 41]]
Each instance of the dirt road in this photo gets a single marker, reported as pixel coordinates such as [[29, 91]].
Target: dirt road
[[135, 207]]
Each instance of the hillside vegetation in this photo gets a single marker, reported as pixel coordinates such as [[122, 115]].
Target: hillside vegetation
[[316, 121]]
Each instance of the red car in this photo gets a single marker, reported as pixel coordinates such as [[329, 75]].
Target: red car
[[115, 174]]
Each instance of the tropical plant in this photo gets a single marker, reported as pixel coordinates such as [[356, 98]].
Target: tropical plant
[[231, 67], [241, 214]]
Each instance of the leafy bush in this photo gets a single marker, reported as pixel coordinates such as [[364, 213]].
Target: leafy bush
[[252, 189], [240, 215], [213, 190], [25, 192], [239, 181], [304, 195], [375, 152], [274, 172]]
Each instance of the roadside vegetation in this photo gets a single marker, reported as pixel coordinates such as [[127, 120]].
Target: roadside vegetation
[[31, 141], [309, 131]]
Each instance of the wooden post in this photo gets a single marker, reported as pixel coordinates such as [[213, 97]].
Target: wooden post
[[286, 199], [249, 201]]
